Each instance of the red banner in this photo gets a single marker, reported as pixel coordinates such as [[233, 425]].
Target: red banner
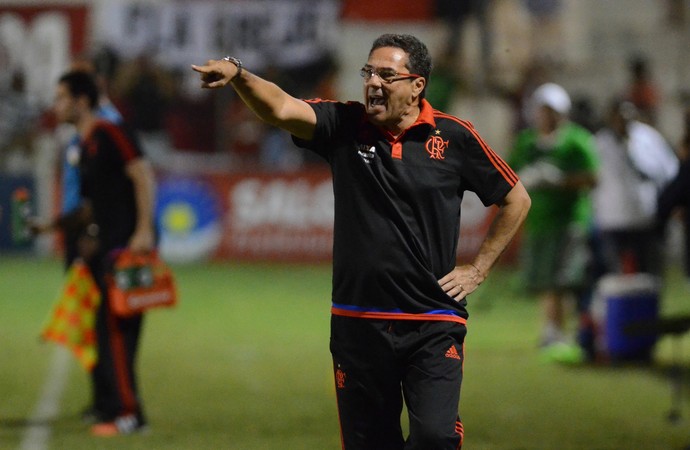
[[283, 217], [76, 16], [388, 10], [44, 37], [268, 217]]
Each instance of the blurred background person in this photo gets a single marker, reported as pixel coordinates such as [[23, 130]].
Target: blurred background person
[[70, 183], [71, 188], [547, 29], [535, 73], [18, 120], [455, 15], [557, 163], [69, 175], [144, 92], [115, 212], [675, 197], [642, 91], [636, 164]]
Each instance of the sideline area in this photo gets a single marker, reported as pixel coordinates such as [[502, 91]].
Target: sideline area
[[38, 428]]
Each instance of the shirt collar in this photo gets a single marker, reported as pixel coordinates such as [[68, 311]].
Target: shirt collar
[[426, 114], [425, 117]]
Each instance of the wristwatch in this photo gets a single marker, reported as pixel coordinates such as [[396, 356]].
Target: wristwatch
[[236, 62]]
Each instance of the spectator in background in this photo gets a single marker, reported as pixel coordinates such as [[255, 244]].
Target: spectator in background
[[683, 150], [317, 79], [675, 197], [584, 114], [636, 164], [454, 14], [144, 91], [547, 33], [106, 63], [642, 91], [243, 135], [557, 163], [536, 73], [18, 117]]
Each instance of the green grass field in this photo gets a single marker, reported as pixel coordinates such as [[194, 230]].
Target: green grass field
[[243, 363]]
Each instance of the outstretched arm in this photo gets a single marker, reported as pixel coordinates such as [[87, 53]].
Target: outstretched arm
[[267, 100], [464, 279]]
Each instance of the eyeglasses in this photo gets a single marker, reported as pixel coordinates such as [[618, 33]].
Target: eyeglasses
[[385, 75]]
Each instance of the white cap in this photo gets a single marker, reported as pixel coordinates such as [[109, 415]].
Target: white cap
[[553, 96]]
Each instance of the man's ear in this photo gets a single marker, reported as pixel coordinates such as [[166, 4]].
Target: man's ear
[[418, 86]]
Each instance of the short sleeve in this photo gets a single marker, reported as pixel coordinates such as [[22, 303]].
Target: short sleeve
[[485, 173], [335, 121]]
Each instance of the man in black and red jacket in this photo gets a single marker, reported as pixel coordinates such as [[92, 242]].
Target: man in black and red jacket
[[117, 191], [400, 169]]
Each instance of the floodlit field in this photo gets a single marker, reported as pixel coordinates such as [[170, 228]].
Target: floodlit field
[[242, 363]]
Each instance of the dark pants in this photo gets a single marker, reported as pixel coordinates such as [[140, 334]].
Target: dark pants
[[113, 378], [378, 363], [632, 251]]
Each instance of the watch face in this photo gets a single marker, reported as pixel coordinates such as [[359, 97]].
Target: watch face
[[235, 61]]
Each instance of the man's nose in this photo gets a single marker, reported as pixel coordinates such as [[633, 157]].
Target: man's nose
[[374, 80]]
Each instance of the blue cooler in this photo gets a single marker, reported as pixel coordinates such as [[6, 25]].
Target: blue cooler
[[626, 309]]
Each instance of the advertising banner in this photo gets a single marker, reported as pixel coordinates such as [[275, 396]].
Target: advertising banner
[[276, 217], [284, 217], [264, 32]]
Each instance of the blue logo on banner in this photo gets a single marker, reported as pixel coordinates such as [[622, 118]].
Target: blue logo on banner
[[188, 215]]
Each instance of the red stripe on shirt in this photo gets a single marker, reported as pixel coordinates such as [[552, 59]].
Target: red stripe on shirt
[[500, 165], [123, 144]]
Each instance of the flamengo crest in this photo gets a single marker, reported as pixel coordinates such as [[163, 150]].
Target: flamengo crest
[[436, 146]]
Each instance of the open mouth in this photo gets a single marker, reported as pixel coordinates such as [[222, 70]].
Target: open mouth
[[376, 100]]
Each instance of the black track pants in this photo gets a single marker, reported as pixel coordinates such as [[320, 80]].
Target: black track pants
[[378, 363]]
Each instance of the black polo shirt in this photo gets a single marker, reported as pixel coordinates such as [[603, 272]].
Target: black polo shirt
[[397, 207], [105, 153]]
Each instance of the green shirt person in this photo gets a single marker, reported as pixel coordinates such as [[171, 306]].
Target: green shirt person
[[562, 169], [557, 163]]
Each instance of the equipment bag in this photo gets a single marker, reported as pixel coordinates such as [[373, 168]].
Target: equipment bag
[[138, 282]]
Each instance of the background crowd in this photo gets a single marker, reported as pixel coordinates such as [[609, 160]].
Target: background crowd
[[471, 68]]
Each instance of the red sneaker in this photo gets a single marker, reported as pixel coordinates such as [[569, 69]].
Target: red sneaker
[[104, 429]]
